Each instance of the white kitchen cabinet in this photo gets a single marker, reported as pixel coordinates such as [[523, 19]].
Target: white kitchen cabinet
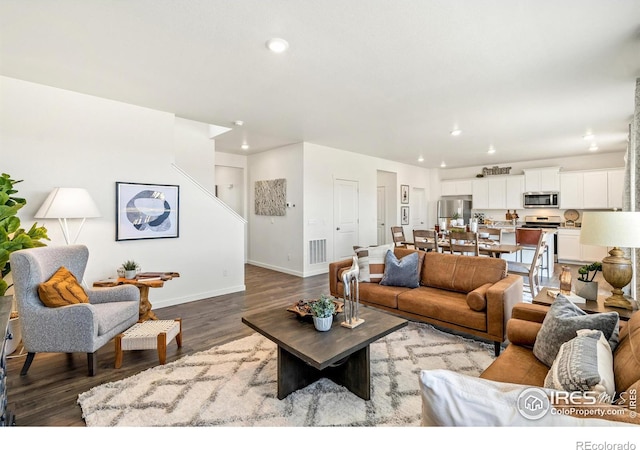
[[456, 187], [595, 190], [570, 250], [515, 189], [497, 192], [571, 190], [480, 193], [615, 188], [545, 179]]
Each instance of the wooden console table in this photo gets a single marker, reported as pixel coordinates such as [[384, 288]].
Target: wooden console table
[[143, 282]]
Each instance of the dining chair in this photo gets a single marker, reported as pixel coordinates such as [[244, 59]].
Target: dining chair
[[398, 237], [426, 240], [464, 243], [531, 270], [528, 238], [495, 234]]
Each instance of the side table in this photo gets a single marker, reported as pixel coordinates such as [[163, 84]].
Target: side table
[[143, 282], [589, 306]]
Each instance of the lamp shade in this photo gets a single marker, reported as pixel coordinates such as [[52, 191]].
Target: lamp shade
[[610, 229], [68, 203]]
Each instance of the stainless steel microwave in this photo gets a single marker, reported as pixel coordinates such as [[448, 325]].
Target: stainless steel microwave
[[541, 200]]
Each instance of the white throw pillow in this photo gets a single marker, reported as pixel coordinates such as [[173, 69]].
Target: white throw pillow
[[585, 363], [451, 399], [371, 262]]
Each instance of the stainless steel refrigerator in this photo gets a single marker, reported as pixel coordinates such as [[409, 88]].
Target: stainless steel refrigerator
[[448, 207]]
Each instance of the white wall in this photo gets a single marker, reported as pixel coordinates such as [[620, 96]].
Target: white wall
[[52, 137], [323, 165], [275, 242], [194, 152]]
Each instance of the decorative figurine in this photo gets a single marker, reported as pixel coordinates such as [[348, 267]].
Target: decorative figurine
[[351, 296]]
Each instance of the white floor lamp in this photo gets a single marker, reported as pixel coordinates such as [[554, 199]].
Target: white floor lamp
[[68, 203]]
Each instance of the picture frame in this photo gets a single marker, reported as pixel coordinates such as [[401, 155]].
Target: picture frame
[[404, 215], [404, 193], [147, 211]]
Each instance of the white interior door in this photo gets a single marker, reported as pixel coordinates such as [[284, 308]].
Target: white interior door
[[382, 213], [418, 205], [345, 204]]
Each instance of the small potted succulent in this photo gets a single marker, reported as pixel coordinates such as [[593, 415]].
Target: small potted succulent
[[585, 287], [130, 269], [323, 310]]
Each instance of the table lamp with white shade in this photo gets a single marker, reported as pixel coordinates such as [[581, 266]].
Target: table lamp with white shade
[[618, 230], [68, 203]]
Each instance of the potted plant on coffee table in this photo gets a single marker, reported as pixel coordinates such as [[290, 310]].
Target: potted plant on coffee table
[[585, 286], [323, 310]]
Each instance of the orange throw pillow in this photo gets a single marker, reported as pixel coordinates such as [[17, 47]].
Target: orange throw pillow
[[62, 289], [477, 299]]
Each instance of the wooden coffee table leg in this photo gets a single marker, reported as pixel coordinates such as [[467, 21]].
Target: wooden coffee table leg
[[354, 373], [293, 373]]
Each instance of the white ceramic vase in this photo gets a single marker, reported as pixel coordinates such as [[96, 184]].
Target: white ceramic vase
[[323, 323], [130, 274], [586, 289]]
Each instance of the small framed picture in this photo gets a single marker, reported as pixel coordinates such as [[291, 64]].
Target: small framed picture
[[404, 193], [146, 211], [404, 213]]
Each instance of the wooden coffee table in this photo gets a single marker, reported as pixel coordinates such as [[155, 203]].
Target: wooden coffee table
[[340, 354]]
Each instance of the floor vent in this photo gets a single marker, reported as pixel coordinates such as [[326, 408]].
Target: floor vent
[[318, 251]]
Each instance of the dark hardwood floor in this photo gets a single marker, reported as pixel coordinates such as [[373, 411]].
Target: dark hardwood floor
[[47, 395]]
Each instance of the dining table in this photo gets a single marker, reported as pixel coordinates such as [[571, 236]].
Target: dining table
[[485, 246]]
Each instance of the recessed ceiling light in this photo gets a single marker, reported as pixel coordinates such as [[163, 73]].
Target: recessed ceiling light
[[491, 150], [244, 146], [443, 164], [277, 45], [593, 147], [238, 123], [589, 136], [420, 159], [456, 132]]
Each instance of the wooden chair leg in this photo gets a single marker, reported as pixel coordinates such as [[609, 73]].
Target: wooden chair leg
[[92, 361], [162, 347], [27, 363], [179, 335]]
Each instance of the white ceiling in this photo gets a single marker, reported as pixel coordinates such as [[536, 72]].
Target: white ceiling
[[388, 78]]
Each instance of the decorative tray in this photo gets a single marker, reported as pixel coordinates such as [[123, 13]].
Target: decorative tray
[[302, 308]]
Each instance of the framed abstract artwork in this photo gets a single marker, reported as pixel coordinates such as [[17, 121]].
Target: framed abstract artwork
[[404, 194], [404, 215], [147, 211]]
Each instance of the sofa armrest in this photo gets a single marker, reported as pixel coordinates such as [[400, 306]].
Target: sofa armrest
[[530, 312], [525, 323], [500, 299], [334, 270]]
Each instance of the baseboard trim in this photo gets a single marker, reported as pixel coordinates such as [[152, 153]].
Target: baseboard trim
[[195, 297]]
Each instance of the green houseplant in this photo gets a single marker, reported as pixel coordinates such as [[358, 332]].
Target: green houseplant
[[130, 269], [12, 236], [585, 287], [322, 311]]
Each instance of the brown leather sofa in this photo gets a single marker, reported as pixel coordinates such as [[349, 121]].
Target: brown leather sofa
[[441, 299], [517, 364]]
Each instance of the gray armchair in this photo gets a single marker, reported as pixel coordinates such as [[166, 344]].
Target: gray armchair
[[83, 327]]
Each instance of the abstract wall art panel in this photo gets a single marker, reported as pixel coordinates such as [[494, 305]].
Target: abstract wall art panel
[[271, 197]]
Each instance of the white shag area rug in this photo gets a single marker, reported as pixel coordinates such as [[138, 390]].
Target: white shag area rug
[[235, 385]]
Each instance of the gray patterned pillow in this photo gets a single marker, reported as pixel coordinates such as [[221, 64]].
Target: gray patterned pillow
[[561, 323], [585, 363], [403, 272]]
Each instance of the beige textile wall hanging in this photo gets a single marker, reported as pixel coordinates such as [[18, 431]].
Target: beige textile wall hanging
[[271, 197]]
